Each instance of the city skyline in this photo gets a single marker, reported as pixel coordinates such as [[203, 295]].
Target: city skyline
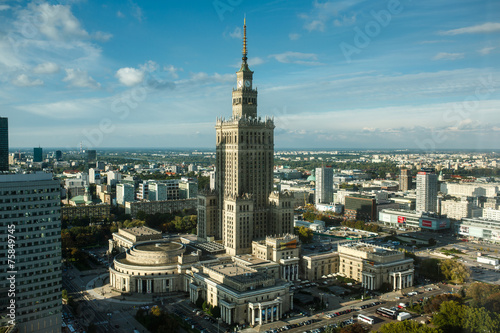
[[348, 74]]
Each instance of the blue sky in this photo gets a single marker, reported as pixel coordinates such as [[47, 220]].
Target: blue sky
[[334, 74]]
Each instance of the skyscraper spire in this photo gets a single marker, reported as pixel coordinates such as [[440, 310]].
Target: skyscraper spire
[[245, 39], [244, 64]]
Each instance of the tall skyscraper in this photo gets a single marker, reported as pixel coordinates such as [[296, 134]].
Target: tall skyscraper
[[405, 180], [58, 155], [427, 189], [4, 144], [37, 154], [243, 206], [324, 186], [90, 156], [30, 255]]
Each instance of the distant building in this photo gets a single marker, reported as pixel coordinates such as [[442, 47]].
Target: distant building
[[4, 144], [30, 211], [359, 207], [157, 191], [114, 177], [94, 176], [405, 180], [479, 229], [188, 188], [324, 186], [457, 209], [37, 154], [58, 155], [153, 207], [124, 193], [399, 218], [99, 212], [90, 156], [491, 214], [427, 188]]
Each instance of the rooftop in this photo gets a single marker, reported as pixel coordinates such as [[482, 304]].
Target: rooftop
[[141, 231]]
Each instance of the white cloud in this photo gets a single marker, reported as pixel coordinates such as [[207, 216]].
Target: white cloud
[[448, 56], [79, 78], [293, 36], [290, 57], [102, 36], [130, 76], [475, 29], [46, 68], [56, 22], [236, 33], [120, 14], [4, 7], [323, 13], [345, 20], [486, 50], [172, 70], [136, 11], [23, 80], [68, 109]]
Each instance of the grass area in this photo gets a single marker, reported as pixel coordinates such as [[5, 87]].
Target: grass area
[[451, 252]]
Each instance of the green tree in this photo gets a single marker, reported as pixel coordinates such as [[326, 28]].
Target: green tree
[[450, 317], [480, 320], [454, 271], [305, 234], [429, 268], [354, 328], [407, 326], [481, 292]]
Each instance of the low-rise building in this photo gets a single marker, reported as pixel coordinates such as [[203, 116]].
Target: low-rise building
[[374, 265], [99, 212], [479, 229]]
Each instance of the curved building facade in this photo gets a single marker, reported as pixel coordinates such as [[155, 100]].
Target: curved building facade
[[152, 267]]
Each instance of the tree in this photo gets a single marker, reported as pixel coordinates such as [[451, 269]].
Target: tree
[[429, 268], [454, 271], [480, 320], [305, 234], [481, 292], [450, 317], [407, 326], [433, 304]]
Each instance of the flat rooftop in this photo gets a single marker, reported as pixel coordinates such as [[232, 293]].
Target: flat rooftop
[[239, 274], [159, 246], [364, 247], [141, 231]]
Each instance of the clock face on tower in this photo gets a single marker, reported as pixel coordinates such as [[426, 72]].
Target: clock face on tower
[[240, 83], [247, 83]]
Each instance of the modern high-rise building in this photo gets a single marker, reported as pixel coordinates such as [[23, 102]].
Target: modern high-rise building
[[243, 207], [124, 193], [37, 154], [324, 186], [427, 188], [30, 234], [90, 156], [405, 180], [4, 144], [58, 155]]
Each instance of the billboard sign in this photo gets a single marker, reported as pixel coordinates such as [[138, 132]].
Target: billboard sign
[[401, 219], [427, 223], [442, 224]]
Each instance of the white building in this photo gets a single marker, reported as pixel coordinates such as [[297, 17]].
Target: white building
[[457, 209], [470, 189], [426, 191], [114, 177], [479, 229], [157, 191], [491, 214], [30, 212], [324, 185], [94, 176], [124, 193]]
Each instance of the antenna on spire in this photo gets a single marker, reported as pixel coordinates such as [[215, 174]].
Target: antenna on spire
[[245, 39]]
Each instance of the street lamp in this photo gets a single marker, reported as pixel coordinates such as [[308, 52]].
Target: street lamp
[[218, 324]]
